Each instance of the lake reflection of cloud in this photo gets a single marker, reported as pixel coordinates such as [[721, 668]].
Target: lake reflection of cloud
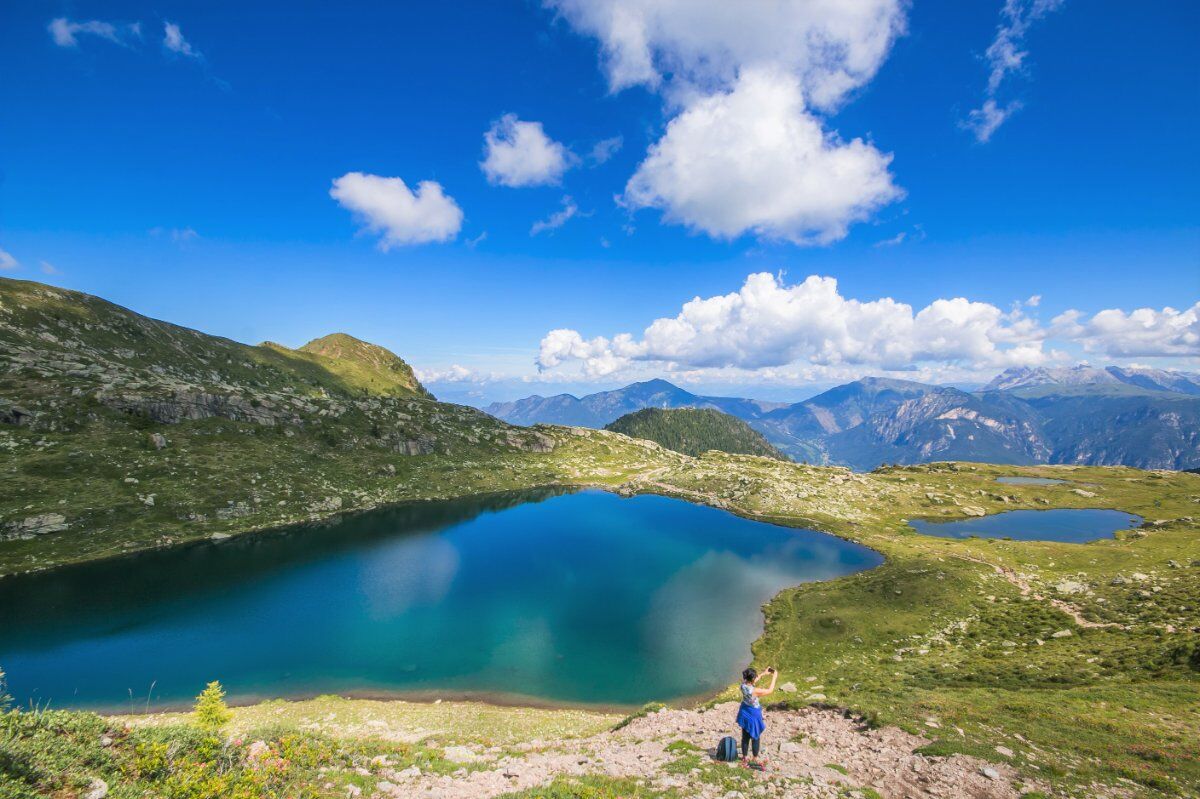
[[407, 573], [707, 612]]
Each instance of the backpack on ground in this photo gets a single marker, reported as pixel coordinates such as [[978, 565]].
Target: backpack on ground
[[727, 749]]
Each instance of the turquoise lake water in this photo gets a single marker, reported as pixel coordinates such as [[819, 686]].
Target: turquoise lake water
[[1070, 525], [565, 597]]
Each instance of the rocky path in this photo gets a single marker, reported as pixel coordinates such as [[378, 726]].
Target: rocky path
[[1026, 589], [812, 753]]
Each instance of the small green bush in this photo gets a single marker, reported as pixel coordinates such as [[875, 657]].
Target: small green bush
[[211, 712]]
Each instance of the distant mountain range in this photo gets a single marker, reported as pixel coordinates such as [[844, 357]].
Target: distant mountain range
[[1148, 418]]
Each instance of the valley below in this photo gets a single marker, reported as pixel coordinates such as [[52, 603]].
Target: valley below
[[987, 666]]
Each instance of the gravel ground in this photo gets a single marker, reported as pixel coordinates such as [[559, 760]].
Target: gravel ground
[[800, 745]]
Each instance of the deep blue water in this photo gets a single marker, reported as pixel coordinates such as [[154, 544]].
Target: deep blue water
[[583, 597], [1029, 481], [1070, 525]]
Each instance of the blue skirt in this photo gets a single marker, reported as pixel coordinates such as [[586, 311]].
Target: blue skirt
[[750, 719]]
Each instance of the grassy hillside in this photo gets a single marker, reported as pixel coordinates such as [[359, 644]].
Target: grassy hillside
[[693, 431], [122, 432]]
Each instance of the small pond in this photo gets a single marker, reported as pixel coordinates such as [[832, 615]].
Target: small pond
[[562, 597], [1029, 481], [1069, 525]]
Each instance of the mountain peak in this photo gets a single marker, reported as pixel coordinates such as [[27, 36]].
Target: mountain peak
[[1018, 377], [364, 364]]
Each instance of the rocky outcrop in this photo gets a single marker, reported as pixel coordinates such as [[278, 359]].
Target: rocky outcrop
[[192, 405], [36, 525]]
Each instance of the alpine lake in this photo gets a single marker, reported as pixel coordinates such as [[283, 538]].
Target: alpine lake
[[545, 596]]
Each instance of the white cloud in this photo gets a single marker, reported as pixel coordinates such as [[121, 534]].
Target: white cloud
[[519, 153], [7, 262], [832, 46], [556, 219], [48, 268], [65, 33], [755, 160], [388, 207], [452, 374], [985, 120], [1144, 332], [768, 325], [174, 41], [605, 149], [1006, 55], [747, 151]]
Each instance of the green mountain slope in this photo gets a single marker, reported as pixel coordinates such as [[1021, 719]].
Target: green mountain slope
[[120, 432], [695, 430]]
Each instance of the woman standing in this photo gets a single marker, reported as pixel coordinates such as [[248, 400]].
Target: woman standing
[[750, 717]]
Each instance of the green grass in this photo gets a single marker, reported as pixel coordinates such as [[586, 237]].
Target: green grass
[[60, 753]]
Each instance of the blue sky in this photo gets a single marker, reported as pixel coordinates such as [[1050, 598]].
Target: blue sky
[[186, 172]]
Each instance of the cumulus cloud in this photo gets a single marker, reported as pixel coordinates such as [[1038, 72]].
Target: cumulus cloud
[[1144, 332], [832, 46], [556, 219], [66, 33], [174, 41], [747, 151], [519, 153], [755, 160], [768, 324], [7, 262], [1006, 55], [401, 216]]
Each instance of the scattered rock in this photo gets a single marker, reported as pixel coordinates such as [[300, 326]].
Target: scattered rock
[[97, 789], [459, 754], [788, 688], [1062, 634], [1004, 750], [990, 773], [972, 510], [1081, 492], [37, 525], [326, 505]]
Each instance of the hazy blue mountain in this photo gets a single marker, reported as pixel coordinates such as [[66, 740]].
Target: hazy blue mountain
[[1141, 377], [597, 410], [1147, 418]]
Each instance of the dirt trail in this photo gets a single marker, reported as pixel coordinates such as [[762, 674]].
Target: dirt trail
[[803, 747], [1027, 590]]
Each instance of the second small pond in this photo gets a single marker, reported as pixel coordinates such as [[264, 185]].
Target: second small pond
[[1068, 525]]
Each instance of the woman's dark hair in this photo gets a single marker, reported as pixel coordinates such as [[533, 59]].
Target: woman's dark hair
[[749, 675]]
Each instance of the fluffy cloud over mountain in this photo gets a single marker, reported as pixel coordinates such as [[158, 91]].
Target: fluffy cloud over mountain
[[1144, 332], [768, 323]]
